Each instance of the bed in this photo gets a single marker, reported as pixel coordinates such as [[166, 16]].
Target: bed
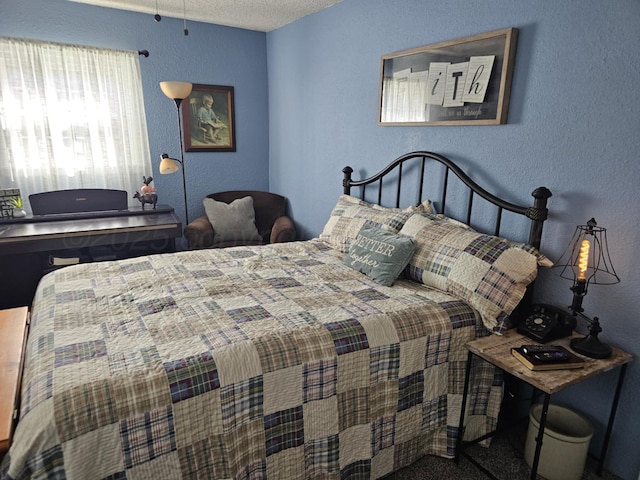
[[283, 361]]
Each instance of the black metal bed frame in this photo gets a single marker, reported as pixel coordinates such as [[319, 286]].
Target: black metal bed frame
[[537, 213]]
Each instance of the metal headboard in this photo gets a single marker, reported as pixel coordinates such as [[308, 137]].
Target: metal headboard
[[537, 213]]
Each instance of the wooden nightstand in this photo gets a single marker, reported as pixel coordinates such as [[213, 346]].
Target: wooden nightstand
[[14, 325], [497, 351]]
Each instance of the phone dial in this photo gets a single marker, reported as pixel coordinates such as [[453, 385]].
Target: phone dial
[[547, 322]]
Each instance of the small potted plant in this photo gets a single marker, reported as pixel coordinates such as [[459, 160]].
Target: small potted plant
[[18, 210]]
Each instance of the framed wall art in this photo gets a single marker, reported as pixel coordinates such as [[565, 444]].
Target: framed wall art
[[208, 119], [459, 82]]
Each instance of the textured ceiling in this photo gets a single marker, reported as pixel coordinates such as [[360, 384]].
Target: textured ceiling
[[260, 15]]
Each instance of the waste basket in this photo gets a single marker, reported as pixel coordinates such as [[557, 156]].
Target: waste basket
[[565, 443]]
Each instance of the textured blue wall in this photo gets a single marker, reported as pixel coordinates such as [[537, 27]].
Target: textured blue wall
[[573, 127], [211, 54]]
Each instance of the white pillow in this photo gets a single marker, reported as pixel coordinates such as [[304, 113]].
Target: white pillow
[[233, 221]]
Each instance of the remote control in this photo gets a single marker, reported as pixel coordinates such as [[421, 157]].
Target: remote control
[[552, 356], [533, 349]]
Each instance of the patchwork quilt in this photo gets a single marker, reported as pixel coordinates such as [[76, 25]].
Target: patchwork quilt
[[271, 362]]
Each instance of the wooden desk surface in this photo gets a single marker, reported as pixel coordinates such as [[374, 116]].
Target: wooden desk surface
[[497, 350], [37, 236], [12, 340]]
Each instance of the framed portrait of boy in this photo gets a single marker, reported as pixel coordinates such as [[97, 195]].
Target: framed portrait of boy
[[208, 119]]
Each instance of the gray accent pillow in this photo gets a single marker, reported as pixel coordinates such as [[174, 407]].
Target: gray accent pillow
[[233, 221], [380, 255]]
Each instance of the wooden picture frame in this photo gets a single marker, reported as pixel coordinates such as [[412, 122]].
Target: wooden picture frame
[[205, 135], [459, 82]]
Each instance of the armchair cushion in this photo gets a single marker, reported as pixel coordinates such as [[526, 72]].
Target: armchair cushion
[[272, 224], [233, 221], [282, 231], [199, 233]]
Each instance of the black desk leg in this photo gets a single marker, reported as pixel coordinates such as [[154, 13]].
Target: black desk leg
[[612, 416], [543, 422], [463, 408]]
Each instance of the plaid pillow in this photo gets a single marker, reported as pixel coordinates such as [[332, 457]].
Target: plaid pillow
[[350, 214], [540, 258], [489, 273]]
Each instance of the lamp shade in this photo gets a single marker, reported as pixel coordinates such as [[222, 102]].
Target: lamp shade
[[168, 165], [586, 258], [176, 90]]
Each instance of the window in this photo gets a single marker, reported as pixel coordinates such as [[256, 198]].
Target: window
[[70, 117]]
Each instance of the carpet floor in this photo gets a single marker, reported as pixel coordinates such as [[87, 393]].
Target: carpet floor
[[504, 458]]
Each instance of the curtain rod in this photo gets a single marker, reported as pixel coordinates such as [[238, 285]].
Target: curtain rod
[[88, 47]]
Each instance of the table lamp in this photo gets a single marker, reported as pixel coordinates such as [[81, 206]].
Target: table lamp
[[586, 261]]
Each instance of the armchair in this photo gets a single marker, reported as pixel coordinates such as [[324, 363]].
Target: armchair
[[271, 222]]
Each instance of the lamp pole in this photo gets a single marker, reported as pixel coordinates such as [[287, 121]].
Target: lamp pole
[[178, 91], [184, 181]]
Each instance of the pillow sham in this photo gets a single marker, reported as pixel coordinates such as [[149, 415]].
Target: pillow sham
[[542, 260], [350, 214], [489, 273], [424, 207], [233, 221], [380, 255]]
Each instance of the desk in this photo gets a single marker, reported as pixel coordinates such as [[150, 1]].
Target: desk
[[38, 235], [497, 351], [25, 244]]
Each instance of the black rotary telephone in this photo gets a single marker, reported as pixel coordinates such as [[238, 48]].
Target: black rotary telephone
[[547, 322]]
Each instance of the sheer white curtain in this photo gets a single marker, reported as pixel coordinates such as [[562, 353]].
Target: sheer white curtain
[[70, 117]]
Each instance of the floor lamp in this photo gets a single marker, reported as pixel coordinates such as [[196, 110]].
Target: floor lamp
[[176, 91]]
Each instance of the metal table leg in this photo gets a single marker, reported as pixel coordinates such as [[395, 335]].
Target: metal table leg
[[612, 416], [463, 408], [543, 422]]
